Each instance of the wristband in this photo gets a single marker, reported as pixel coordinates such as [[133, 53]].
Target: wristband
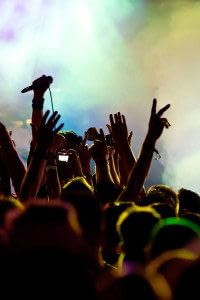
[[51, 167], [38, 104]]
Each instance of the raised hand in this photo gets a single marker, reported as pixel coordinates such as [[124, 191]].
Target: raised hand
[[92, 134], [140, 170], [11, 158], [99, 150], [41, 84], [156, 122], [84, 153], [5, 138], [47, 130], [118, 128], [74, 163]]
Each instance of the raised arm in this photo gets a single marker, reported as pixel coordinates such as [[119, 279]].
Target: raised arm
[[85, 157], [12, 161], [105, 188], [44, 139], [40, 86], [141, 168], [121, 139], [53, 185]]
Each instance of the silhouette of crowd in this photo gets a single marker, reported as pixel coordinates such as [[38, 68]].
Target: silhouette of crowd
[[73, 232]]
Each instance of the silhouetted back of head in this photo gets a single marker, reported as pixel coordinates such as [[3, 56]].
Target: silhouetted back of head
[[134, 227], [78, 193], [188, 200], [44, 226], [7, 205], [161, 194], [172, 233], [111, 238], [164, 209]]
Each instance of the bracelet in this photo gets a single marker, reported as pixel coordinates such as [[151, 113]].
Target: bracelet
[[51, 167], [38, 104]]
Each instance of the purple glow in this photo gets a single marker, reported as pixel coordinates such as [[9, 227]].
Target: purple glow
[[7, 35]]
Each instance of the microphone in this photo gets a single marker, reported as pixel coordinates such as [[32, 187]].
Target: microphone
[[43, 81]]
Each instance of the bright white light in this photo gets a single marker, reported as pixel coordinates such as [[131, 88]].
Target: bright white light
[[28, 121], [83, 18]]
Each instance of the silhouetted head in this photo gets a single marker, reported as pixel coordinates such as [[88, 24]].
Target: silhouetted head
[[161, 194], [7, 205], [171, 264], [79, 193], [172, 233], [134, 227], [44, 225], [111, 238], [188, 200], [164, 209], [194, 217]]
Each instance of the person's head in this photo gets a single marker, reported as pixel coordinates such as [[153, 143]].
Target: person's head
[[194, 217], [44, 225], [79, 193], [7, 205], [161, 194], [188, 201], [111, 240], [134, 227], [171, 264], [172, 233], [164, 209]]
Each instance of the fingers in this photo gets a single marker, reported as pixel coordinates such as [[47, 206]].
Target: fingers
[[165, 122], [102, 136], [130, 137], [123, 119], [52, 119], [118, 119], [51, 122], [45, 118], [34, 129], [109, 128], [59, 128], [162, 110], [111, 120], [84, 140], [153, 108]]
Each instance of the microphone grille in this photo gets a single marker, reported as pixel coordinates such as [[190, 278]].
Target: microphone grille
[[50, 79]]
